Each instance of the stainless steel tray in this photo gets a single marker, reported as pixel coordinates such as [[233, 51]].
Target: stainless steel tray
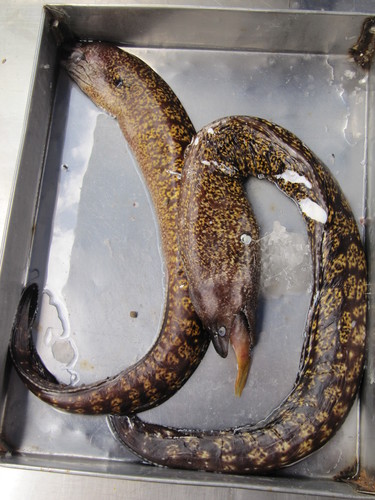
[[82, 226]]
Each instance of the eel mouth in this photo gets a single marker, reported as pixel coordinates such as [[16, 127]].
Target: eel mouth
[[241, 339], [243, 368], [73, 59]]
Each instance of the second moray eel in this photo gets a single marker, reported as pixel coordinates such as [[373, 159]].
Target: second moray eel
[[158, 130], [333, 353]]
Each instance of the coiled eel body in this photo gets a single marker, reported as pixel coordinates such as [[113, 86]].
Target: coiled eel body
[[333, 353], [158, 130]]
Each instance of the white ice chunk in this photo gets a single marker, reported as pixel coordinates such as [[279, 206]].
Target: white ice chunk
[[313, 210], [246, 239], [294, 177], [286, 263]]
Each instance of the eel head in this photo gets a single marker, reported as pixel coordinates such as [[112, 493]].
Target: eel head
[[216, 309], [104, 72]]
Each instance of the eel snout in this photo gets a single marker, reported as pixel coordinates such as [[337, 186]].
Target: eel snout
[[242, 341], [240, 335]]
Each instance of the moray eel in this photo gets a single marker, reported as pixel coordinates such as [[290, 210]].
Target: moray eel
[[158, 130], [333, 353], [219, 245]]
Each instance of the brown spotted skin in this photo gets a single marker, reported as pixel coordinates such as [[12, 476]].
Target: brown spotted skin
[[158, 130], [332, 358]]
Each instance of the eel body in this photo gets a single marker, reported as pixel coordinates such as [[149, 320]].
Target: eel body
[[158, 130], [333, 352]]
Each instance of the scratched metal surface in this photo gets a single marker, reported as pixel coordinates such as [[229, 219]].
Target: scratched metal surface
[[96, 250]]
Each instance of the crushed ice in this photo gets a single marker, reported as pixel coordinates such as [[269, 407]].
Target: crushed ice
[[286, 263]]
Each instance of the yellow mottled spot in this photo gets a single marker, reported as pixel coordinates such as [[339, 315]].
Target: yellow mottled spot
[[321, 416], [257, 456], [340, 409], [361, 289], [349, 287], [335, 267], [226, 445], [354, 256], [331, 300], [359, 311], [283, 447], [172, 450], [204, 454], [305, 447], [332, 393], [307, 430]]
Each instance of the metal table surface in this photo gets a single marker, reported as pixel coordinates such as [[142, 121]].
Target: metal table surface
[[19, 24]]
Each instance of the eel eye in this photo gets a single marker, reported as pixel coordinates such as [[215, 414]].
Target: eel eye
[[119, 82], [222, 331]]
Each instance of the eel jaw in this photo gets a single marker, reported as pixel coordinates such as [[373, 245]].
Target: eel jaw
[[242, 374], [241, 339]]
